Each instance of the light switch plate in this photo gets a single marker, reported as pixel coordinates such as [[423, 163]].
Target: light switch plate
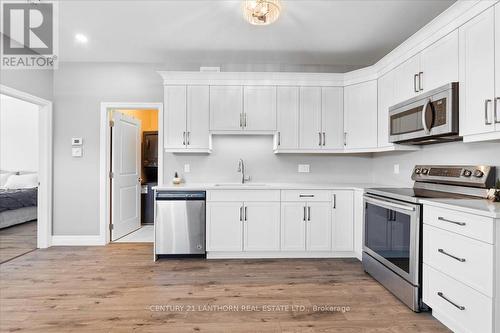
[[187, 168], [304, 168], [396, 169], [76, 151], [76, 141]]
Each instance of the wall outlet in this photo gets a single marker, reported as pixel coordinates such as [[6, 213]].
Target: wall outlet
[[303, 168], [187, 168], [396, 169]]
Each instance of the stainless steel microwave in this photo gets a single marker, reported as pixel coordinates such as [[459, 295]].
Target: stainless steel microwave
[[431, 117]]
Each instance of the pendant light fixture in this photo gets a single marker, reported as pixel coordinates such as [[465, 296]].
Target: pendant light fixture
[[261, 12]]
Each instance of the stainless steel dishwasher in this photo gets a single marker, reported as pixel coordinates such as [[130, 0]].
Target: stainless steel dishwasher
[[180, 223]]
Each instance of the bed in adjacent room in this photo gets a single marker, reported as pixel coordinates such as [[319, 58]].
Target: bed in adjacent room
[[18, 198]]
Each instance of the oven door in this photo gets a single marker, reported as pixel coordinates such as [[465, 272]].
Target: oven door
[[391, 235]]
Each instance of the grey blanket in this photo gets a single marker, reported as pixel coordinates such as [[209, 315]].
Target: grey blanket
[[15, 199]]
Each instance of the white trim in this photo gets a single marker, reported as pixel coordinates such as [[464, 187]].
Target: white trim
[[482, 137], [279, 254], [104, 159], [44, 223], [72, 240]]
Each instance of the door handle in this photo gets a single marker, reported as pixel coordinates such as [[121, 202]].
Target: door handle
[[183, 138], [451, 255], [324, 138], [309, 213], [319, 134], [486, 118], [497, 118], [460, 307], [420, 84], [415, 83]]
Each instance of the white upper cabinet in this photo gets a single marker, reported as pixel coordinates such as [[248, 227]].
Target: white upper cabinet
[[439, 63], [259, 111], [174, 126], [226, 108], [497, 67], [477, 74], [360, 115], [197, 135], [406, 78], [287, 104], [310, 136], [386, 98], [332, 117]]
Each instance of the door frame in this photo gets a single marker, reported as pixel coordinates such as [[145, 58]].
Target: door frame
[[105, 159], [45, 162]]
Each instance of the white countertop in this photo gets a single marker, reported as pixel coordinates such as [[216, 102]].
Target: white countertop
[[265, 186], [478, 207]]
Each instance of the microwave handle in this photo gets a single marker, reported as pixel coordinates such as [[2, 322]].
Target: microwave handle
[[424, 111]]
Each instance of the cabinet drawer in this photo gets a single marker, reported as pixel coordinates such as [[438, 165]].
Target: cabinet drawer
[[470, 225], [477, 312], [307, 195], [243, 195], [466, 259]]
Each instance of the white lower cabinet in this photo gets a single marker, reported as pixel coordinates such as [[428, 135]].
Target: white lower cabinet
[[319, 226], [459, 270], [342, 221], [293, 230], [224, 226], [261, 226]]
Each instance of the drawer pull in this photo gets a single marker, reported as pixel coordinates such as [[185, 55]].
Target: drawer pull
[[306, 195], [460, 307], [440, 218], [451, 255]]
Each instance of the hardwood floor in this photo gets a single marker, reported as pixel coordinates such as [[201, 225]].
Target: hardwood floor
[[118, 288], [17, 240]]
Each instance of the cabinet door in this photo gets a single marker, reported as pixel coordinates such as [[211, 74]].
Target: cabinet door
[[224, 226], [477, 74], [261, 226], [332, 120], [319, 226], [197, 117], [497, 66], [439, 62], [175, 117], [343, 221], [310, 118], [406, 82], [386, 88], [287, 100], [226, 108], [260, 108], [293, 226], [360, 116]]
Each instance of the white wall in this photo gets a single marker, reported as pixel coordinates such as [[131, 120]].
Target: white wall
[[18, 135], [459, 153], [38, 82]]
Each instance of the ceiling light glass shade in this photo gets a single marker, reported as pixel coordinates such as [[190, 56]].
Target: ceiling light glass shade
[[261, 12]]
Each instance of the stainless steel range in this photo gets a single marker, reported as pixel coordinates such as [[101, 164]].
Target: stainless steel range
[[392, 251]]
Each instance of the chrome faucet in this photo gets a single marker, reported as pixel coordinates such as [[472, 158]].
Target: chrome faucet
[[241, 168]]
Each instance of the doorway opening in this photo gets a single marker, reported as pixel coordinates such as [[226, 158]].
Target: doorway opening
[[25, 173], [133, 167]]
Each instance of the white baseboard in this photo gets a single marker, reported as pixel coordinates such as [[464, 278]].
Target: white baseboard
[[73, 240], [278, 254]]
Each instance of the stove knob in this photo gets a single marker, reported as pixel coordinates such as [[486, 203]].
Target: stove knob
[[425, 171], [478, 173], [417, 171], [467, 173]]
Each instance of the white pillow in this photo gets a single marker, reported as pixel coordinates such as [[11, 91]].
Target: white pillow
[[29, 180], [3, 178]]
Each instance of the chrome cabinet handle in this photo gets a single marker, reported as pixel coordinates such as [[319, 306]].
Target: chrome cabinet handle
[[244, 119], [420, 84], [246, 213], [345, 138], [306, 195], [188, 138], [304, 214], [486, 118], [497, 118], [309, 213], [440, 218], [460, 307], [324, 138], [183, 138], [334, 201], [451, 255], [241, 120], [241, 213], [415, 83], [279, 138], [319, 134]]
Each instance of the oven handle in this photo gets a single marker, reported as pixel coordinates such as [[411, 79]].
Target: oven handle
[[389, 204]]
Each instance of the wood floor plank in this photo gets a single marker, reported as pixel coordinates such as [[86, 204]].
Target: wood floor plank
[[17, 240], [117, 288]]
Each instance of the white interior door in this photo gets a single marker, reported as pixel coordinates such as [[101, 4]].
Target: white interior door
[[125, 183]]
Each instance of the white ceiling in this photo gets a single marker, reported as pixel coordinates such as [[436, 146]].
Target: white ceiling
[[340, 33]]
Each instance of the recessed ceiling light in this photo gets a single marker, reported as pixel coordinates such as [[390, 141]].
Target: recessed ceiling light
[[81, 38]]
